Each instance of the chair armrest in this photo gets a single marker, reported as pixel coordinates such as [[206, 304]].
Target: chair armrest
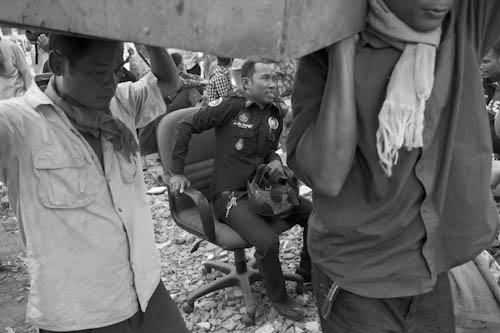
[[206, 215]]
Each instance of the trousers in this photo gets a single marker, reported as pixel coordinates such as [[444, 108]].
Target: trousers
[[161, 316], [257, 231], [350, 313]]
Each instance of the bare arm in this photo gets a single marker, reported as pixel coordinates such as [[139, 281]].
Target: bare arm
[[163, 67]]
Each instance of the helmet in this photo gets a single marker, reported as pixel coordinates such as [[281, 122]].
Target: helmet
[[273, 196]]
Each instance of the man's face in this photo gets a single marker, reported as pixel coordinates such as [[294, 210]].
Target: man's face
[[262, 86], [92, 80], [421, 15], [490, 66]]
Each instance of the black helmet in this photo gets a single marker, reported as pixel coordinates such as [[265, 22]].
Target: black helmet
[[273, 196]]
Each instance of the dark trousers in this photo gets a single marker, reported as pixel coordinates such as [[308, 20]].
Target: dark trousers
[[257, 230], [161, 316], [351, 313]]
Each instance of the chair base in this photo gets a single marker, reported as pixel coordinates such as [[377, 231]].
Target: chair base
[[242, 274]]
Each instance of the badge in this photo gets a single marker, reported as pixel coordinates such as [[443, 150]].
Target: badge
[[243, 117], [215, 102], [239, 144], [273, 123]]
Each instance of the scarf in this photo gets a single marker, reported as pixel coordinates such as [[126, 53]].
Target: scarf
[[96, 122], [401, 119]]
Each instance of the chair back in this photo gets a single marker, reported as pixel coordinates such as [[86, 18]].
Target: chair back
[[200, 157]]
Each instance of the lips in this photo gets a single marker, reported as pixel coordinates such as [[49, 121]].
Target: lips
[[436, 12]]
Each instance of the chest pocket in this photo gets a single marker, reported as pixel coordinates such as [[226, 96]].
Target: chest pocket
[[243, 140], [62, 178]]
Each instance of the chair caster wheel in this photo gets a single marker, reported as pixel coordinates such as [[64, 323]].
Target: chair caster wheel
[[299, 289], [206, 270], [248, 320], [188, 307]]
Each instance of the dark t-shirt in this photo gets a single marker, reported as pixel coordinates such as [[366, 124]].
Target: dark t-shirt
[[391, 237]]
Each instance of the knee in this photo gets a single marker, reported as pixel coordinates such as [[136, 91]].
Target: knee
[[267, 244]]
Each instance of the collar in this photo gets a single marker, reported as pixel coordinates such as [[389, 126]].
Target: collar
[[35, 97]]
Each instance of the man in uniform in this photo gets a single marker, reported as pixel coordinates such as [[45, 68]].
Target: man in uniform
[[247, 133], [391, 134]]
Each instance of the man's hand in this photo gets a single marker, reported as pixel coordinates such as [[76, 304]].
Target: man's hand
[[43, 42], [178, 183], [495, 174], [275, 167]]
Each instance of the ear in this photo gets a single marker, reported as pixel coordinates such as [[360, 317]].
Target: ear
[[245, 81], [56, 63]]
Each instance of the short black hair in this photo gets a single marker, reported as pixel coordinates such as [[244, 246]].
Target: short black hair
[[177, 58], [248, 69], [72, 47], [222, 61]]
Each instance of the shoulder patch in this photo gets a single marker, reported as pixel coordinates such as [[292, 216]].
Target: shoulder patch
[[215, 103]]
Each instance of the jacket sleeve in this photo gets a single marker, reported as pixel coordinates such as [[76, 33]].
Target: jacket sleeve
[[206, 118], [483, 22]]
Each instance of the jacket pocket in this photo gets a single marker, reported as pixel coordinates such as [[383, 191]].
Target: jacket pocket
[[243, 140], [62, 178]]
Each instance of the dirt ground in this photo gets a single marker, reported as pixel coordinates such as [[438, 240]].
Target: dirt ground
[[14, 282]]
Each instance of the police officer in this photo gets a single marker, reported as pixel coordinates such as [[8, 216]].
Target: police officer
[[247, 130]]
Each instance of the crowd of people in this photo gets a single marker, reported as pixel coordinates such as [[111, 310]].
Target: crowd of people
[[390, 128]]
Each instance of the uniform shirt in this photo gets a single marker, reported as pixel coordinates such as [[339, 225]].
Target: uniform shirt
[[16, 77], [219, 84], [390, 237], [90, 247], [246, 136]]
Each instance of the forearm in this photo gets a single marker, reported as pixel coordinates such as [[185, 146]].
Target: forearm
[[163, 67]]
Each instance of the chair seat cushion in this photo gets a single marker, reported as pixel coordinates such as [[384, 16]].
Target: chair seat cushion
[[226, 237]]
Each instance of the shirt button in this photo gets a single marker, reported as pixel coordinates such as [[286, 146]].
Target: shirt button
[[120, 210]]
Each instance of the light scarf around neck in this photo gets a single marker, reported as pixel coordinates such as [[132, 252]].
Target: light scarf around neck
[[401, 119], [96, 122]]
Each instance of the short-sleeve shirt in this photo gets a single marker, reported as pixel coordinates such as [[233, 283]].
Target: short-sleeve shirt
[[90, 247]]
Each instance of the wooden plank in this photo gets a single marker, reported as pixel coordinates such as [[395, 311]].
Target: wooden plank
[[254, 29]]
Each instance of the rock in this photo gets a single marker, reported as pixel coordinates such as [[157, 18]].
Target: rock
[[19, 299], [207, 305], [211, 247], [233, 294], [9, 330], [298, 330], [312, 326], [268, 328], [229, 325], [204, 325]]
